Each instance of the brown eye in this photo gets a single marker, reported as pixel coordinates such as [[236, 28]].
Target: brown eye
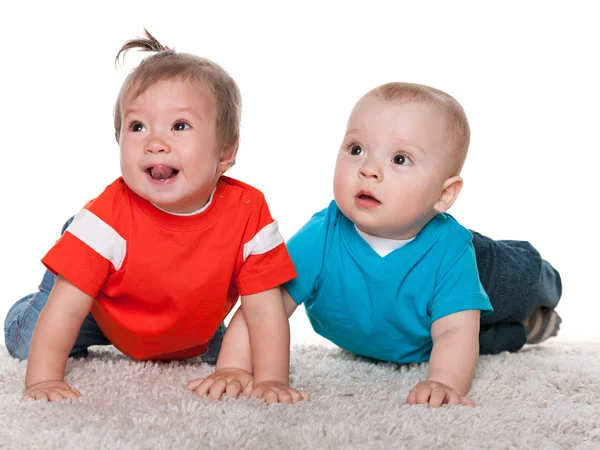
[[402, 160], [356, 150], [181, 126], [136, 126]]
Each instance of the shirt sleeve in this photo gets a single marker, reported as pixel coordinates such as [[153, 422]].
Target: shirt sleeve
[[266, 262], [307, 249], [458, 287], [91, 247]]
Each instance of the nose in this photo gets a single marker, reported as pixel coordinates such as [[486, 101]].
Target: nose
[[155, 144], [370, 170]]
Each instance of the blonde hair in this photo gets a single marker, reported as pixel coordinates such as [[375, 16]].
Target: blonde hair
[[452, 110], [168, 64]]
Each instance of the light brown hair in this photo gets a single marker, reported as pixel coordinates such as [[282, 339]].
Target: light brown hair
[[167, 64], [450, 108]]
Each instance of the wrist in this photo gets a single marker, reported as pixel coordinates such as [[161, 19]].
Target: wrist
[[270, 380], [282, 379], [232, 365], [231, 368], [39, 383], [453, 384], [46, 371]]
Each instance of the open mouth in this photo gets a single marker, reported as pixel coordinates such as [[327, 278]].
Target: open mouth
[[161, 172], [367, 197]]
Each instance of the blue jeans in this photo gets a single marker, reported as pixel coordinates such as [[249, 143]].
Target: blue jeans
[[23, 316], [518, 281]]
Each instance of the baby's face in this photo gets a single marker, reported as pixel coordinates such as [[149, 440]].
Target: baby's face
[[391, 166], [170, 153]]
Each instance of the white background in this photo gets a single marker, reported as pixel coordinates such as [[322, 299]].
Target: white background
[[525, 72]]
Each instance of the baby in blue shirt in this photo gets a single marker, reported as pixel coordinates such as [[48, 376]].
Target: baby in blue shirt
[[386, 273]]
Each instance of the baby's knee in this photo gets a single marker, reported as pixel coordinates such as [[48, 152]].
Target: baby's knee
[[20, 323], [17, 346], [549, 286]]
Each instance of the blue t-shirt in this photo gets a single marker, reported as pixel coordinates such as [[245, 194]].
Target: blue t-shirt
[[383, 307]]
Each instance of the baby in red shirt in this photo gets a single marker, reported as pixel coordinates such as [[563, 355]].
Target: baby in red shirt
[[156, 262]]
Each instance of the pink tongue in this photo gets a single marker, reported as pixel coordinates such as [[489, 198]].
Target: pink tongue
[[161, 172]]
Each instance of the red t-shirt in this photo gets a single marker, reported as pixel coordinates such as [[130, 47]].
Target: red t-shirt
[[163, 283]]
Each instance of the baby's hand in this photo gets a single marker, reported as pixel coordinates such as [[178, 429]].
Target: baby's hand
[[53, 391], [230, 381], [275, 391], [435, 394]]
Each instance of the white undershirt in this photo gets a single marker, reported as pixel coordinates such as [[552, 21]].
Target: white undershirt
[[383, 246], [193, 213]]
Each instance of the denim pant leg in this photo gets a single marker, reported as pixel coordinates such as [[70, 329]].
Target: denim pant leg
[[517, 281], [211, 354], [23, 316]]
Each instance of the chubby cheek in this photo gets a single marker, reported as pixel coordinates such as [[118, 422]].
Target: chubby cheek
[[417, 199], [128, 167], [338, 182], [197, 169], [342, 191]]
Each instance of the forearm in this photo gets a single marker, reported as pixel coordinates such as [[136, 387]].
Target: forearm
[[235, 349], [269, 336], [51, 344], [454, 358], [56, 332]]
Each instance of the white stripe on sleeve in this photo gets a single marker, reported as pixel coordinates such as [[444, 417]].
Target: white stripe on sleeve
[[101, 237], [265, 240]]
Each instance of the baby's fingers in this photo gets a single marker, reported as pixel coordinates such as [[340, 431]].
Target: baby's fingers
[[57, 395], [412, 397], [298, 396], [217, 389], [72, 394], [284, 395], [423, 394], [271, 395], [249, 389], [466, 401], [53, 395], [193, 385], [453, 398], [36, 395], [438, 395], [200, 386], [233, 389]]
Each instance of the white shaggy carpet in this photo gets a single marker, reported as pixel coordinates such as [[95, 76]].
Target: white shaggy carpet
[[545, 397]]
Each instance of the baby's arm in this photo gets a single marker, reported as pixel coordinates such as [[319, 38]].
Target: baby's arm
[[52, 341], [233, 372], [234, 366], [452, 362], [269, 332]]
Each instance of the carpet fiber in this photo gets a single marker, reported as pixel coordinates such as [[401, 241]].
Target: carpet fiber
[[542, 397]]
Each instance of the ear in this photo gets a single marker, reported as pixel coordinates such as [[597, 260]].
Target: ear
[[227, 158], [450, 190]]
